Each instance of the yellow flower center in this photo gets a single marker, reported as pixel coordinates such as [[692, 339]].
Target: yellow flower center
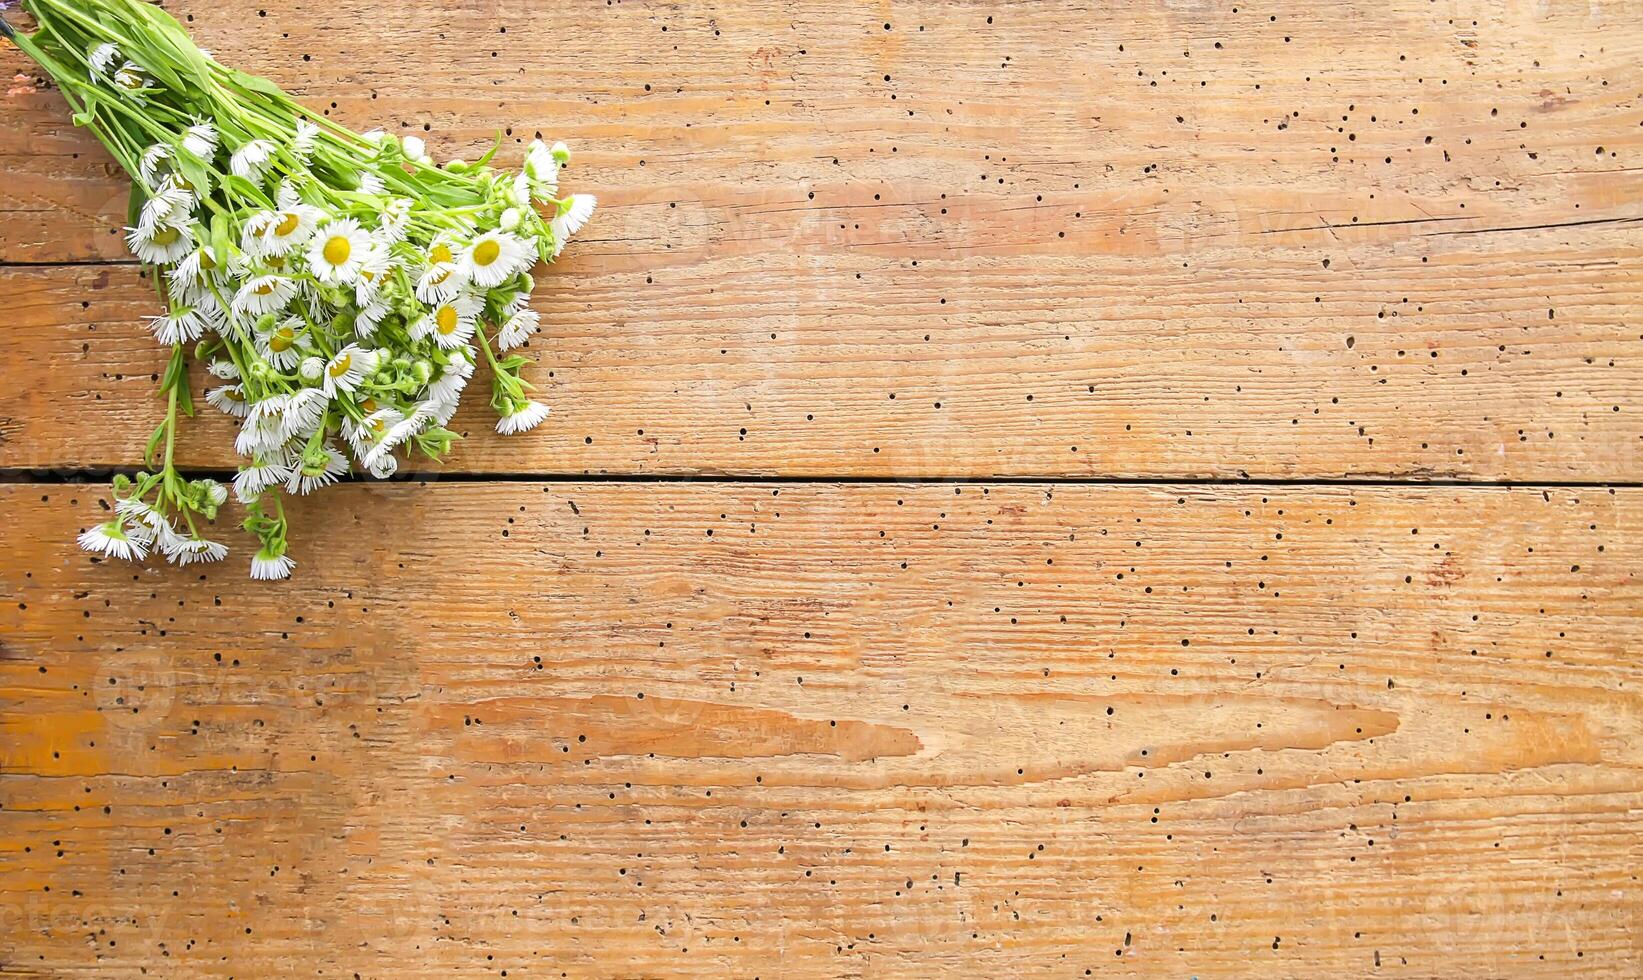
[[369, 404], [446, 320], [486, 252], [439, 280], [166, 236], [276, 262], [263, 288], [282, 340], [337, 249], [339, 367], [232, 395], [207, 262], [440, 253], [288, 224], [378, 426]]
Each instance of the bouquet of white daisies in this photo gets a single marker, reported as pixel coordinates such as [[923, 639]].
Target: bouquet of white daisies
[[340, 287]]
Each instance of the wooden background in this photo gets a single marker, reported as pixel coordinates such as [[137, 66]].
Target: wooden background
[[1034, 489]]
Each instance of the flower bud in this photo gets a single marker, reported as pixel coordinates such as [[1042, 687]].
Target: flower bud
[[413, 147], [510, 219], [311, 369], [560, 152]]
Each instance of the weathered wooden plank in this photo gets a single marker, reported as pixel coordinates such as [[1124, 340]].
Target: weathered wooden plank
[[1471, 379], [743, 729], [1203, 242]]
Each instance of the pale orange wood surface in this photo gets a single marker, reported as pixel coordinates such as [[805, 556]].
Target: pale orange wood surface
[[908, 729], [753, 730], [1036, 239]]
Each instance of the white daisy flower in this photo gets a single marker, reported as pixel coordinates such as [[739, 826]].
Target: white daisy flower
[[191, 275], [451, 381], [438, 411], [495, 257], [264, 294], [225, 370], [160, 245], [309, 475], [371, 430], [252, 480], [396, 215], [525, 416], [103, 59], [263, 431], [215, 492], [397, 435], [414, 147], [281, 343], [337, 251], [112, 540], [573, 213], [370, 183], [229, 400], [151, 162], [370, 317], [385, 466], [168, 205], [279, 232], [542, 171], [443, 277], [200, 139], [518, 329], [183, 325], [131, 78], [451, 323], [374, 267], [305, 412], [306, 137], [192, 550], [266, 566], [348, 368], [252, 160]]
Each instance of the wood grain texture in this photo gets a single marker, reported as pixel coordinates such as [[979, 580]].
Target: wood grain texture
[[806, 730], [952, 239]]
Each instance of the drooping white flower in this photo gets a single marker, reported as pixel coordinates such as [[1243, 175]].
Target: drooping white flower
[[518, 329], [386, 465], [337, 251], [183, 325], [252, 160], [264, 294], [370, 317], [252, 480], [200, 139], [226, 370], [190, 276], [374, 266], [131, 79], [229, 400], [161, 244], [149, 165], [193, 550], [307, 135], [103, 59], [311, 369], [111, 539], [370, 183], [348, 368], [268, 566], [451, 323], [542, 171], [572, 215], [495, 257], [308, 475], [215, 492], [305, 411], [372, 429], [452, 379], [523, 418]]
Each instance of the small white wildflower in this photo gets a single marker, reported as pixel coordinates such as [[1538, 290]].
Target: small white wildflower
[[524, 417]]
